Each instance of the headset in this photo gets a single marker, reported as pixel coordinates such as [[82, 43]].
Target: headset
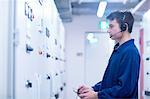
[[123, 25]]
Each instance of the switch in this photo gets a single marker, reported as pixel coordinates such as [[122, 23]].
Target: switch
[[41, 2], [56, 58], [64, 84], [56, 96], [26, 9], [147, 93], [48, 77], [31, 14], [47, 32], [28, 84], [48, 55], [28, 48], [61, 88], [56, 74], [55, 42]]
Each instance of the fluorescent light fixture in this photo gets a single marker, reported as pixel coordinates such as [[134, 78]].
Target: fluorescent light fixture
[[101, 8]]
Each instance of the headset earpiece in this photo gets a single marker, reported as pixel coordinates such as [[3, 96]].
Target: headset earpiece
[[123, 25]]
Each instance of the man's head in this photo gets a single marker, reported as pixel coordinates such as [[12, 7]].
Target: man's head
[[120, 22]]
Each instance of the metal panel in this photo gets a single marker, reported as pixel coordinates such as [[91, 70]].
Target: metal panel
[[146, 55]]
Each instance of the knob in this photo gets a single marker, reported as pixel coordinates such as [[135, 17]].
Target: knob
[[147, 73], [56, 74], [56, 96], [61, 88], [148, 58], [56, 58], [64, 84]]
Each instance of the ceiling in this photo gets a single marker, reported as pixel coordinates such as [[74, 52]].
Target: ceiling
[[67, 8]]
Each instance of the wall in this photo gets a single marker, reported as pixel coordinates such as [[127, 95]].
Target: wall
[[96, 57], [146, 54], [4, 46], [136, 32]]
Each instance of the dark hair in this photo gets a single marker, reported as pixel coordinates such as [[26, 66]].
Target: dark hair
[[123, 18]]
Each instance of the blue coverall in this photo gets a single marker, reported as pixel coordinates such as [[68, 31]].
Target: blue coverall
[[120, 80]]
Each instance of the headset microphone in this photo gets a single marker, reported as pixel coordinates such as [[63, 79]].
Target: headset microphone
[[114, 34]]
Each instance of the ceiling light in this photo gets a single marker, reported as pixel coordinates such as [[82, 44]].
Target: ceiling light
[[101, 8]]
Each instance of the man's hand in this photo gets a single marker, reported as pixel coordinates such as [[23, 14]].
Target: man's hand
[[83, 89], [87, 93]]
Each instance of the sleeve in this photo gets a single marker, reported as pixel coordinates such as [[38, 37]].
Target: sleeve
[[97, 87], [127, 79]]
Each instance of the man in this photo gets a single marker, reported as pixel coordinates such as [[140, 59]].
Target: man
[[120, 79]]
